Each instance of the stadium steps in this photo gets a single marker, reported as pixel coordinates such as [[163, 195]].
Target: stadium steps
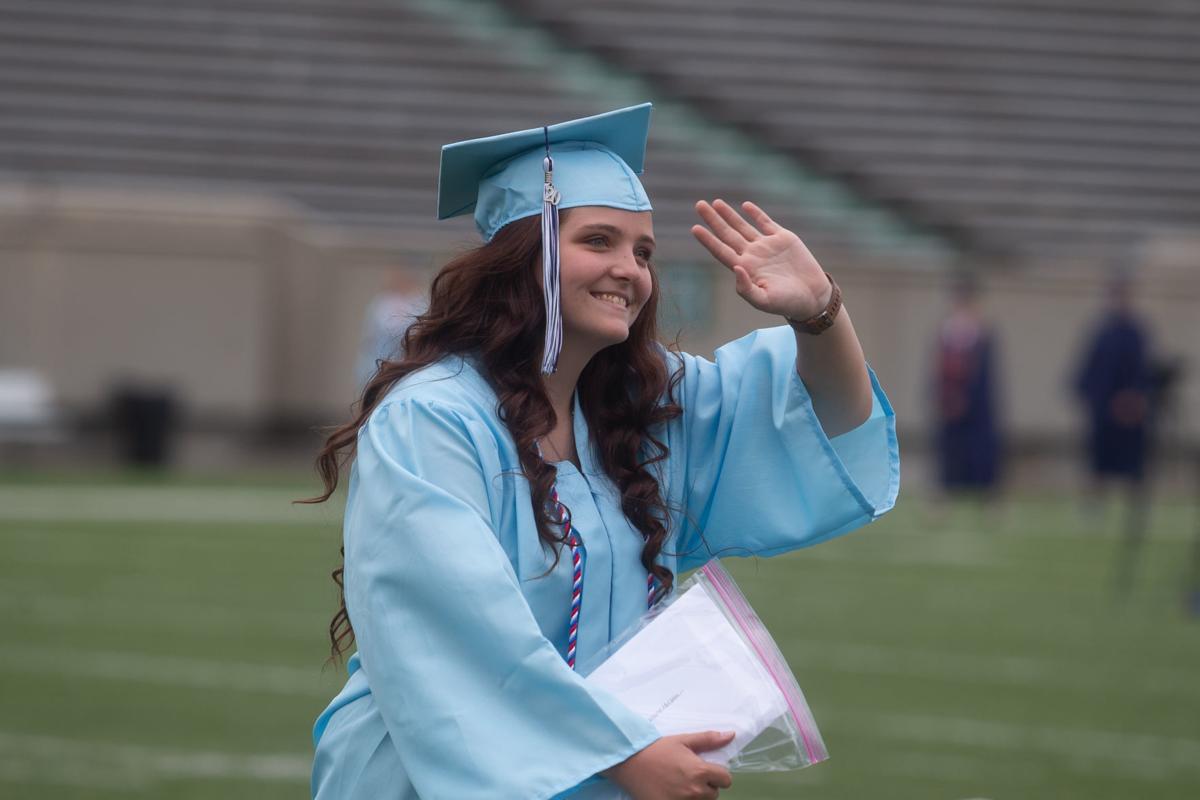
[[1052, 129], [341, 106]]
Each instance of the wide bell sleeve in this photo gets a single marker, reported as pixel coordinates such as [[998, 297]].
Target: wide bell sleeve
[[478, 703], [758, 475]]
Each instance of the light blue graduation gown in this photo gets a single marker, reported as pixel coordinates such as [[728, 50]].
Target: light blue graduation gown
[[459, 688]]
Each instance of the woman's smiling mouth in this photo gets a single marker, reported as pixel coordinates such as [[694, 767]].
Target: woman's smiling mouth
[[612, 299]]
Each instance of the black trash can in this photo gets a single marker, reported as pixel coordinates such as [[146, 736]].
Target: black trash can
[[144, 421]]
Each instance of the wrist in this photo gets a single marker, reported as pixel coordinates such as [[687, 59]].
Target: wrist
[[824, 319], [618, 773]]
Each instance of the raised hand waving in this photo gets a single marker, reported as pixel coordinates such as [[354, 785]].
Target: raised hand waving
[[773, 268]]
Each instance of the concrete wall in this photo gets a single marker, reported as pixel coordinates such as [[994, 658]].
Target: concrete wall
[[246, 308], [252, 311]]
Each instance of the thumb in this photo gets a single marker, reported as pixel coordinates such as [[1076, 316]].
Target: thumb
[[706, 740], [747, 288], [742, 281]]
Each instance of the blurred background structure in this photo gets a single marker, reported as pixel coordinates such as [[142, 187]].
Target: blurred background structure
[[204, 196], [200, 200]]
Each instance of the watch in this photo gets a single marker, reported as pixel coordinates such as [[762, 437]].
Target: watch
[[824, 320]]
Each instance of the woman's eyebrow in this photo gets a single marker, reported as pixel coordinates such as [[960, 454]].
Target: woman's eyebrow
[[613, 230]]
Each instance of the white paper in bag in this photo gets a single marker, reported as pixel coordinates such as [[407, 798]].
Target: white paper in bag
[[688, 671]]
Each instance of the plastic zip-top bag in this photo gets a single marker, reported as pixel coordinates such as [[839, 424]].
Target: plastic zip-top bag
[[702, 660]]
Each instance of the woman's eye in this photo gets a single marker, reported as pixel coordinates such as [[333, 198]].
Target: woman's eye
[[644, 254], [597, 241]]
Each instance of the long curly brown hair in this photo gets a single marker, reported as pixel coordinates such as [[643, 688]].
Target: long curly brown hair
[[488, 301]]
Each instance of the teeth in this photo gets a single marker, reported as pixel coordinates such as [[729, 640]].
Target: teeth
[[613, 298]]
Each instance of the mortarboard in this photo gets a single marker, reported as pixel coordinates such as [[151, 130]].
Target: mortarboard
[[593, 161]]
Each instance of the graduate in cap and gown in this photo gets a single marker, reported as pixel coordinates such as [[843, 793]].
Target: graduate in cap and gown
[[537, 469], [965, 396], [1112, 383]]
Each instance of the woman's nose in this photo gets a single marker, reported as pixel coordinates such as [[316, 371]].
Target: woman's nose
[[626, 265]]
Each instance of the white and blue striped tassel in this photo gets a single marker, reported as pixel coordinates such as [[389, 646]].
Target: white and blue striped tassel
[[550, 288]]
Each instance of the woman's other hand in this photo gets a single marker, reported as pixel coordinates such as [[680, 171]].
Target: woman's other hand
[[669, 769], [772, 267]]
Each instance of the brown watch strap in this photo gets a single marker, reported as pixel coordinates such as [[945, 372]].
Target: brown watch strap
[[824, 320]]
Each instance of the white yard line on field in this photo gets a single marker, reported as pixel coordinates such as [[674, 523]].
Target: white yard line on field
[[18, 767], [1006, 670], [31, 758], [1086, 750], [31, 602], [951, 767], [170, 670], [159, 504]]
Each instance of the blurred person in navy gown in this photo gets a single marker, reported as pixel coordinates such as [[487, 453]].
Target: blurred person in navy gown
[[965, 387], [1112, 382]]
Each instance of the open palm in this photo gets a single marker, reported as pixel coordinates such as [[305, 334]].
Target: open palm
[[773, 269]]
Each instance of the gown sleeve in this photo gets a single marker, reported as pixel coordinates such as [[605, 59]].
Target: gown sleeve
[[476, 700], [759, 475]]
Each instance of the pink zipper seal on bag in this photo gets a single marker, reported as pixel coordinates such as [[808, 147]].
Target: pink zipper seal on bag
[[768, 654]]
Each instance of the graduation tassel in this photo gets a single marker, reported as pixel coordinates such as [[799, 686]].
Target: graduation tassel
[[576, 599], [563, 516], [550, 265]]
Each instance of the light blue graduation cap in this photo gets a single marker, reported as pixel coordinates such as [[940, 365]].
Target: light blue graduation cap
[[594, 161]]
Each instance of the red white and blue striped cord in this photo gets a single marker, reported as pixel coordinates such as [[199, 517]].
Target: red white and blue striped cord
[[572, 538]]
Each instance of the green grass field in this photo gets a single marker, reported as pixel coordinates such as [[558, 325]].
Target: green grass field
[[165, 640]]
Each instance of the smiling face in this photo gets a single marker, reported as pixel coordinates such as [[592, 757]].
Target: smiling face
[[605, 274]]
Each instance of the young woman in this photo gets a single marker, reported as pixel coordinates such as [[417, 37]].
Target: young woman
[[537, 469]]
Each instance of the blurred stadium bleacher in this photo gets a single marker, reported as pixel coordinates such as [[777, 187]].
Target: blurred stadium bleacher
[[341, 106], [1062, 128], [265, 162]]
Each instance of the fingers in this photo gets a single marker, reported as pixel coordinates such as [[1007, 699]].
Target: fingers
[[714, 776], [720, 251], [735, 221], [764, 222], [728, 225], [723, 230], [729, 230], [717, 776], [706, 740]]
